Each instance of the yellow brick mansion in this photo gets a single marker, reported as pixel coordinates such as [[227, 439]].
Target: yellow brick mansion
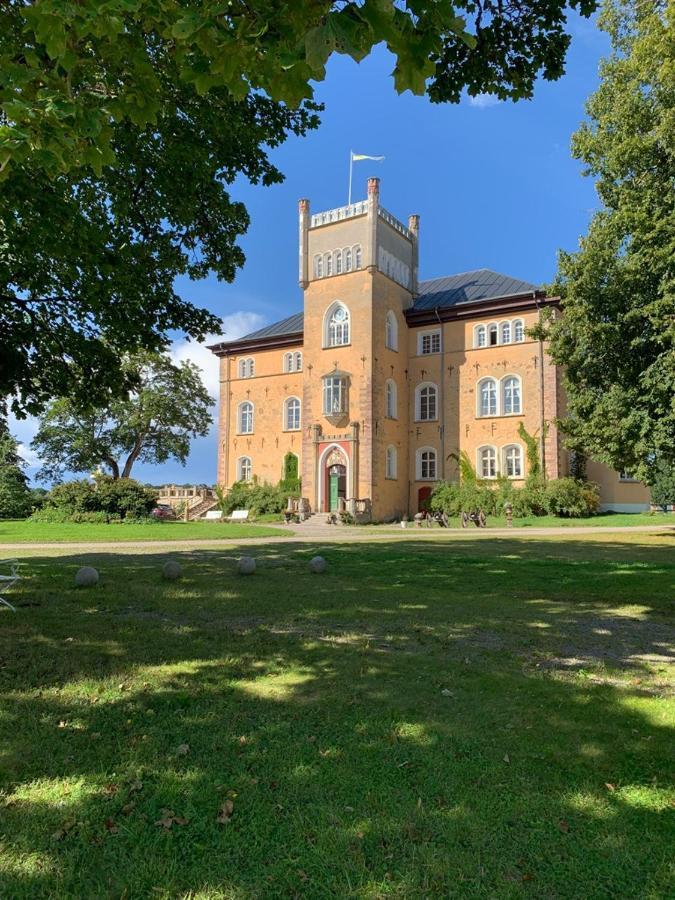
[[377, 386]]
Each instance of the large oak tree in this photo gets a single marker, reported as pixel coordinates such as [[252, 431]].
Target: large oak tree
[[616, 338]]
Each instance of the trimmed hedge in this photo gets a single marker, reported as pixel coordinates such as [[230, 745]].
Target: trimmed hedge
[[564, 497]]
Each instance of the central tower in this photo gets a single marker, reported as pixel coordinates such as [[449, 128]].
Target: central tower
[[358, 271]]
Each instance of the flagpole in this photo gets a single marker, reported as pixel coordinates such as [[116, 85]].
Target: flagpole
[[351, 165]]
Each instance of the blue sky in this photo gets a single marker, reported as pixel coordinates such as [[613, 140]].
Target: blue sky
[[494, 184]]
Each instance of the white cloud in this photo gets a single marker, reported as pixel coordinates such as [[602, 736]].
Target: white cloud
[[235, 326], [29, 456], [483, 101]]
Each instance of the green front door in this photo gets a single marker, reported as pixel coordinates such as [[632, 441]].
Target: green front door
[[333, 493]]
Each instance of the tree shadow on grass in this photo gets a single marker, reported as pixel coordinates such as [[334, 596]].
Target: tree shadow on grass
[[388, 728]]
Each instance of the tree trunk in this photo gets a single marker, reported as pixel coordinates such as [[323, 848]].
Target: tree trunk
[[133, 456], [114, 468]]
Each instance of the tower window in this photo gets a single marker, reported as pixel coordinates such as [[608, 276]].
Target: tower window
[[334, 395], [337, 326], [246, 418]]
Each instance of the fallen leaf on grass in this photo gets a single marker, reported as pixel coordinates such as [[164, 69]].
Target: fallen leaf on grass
[[110, 790], [169, 819], [128, 808], [182, 750], [225, 812], [610, 787], [135, 786], [507, 758], [564, 826], [110, 826], [64, 830]]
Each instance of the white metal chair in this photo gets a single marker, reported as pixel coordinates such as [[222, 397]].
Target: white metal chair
[[6, 581]]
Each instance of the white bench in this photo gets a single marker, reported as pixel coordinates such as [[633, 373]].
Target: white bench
[[213, 514], [6, 581], [238, 515]]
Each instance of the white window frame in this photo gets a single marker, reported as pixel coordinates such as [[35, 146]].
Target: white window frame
[[480, 337], [506, 332], [347, 254], [420, 463], [479, 461], [518, 394], [518, 325], [297, 357], [330, 312], [288, 362], [391, 331], [240, 417], [390, 399], [247, 367], [328, 264], [391, 463], [493, 328], [287, 404], [430, 335], [505, 461], [330, 384], [318, 266], [479, 397], [356, 253], [244, 463], [338, 262], [418, 402]]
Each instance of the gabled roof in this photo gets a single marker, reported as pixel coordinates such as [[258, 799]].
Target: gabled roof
[[291, 325], [468, 287]]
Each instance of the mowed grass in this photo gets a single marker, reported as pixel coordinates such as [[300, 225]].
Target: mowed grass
[[611, 519], [24, 531], [424, 720]]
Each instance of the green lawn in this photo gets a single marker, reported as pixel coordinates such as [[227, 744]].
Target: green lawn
[[25, 531], [426, 719], [604, 519]]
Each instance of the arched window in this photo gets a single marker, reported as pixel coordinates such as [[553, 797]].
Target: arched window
[[426, 464], [348, 259], [245, 417], [328, 264], [487, 397], [244, 468], [487, 462], [356, 250], [288, 362], [511, 395], [391, 331], [247, 367], [298, 362], [493, 334], [338, 262], [336, 326], [426, 405], [506, 332], [480, 336], [318, 266], [390, 399], [513, 461], [518, 331], [292, 414], [390, 466]]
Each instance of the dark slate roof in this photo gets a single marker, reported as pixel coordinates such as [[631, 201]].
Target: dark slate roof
[[452, 290], [291, 325], [468, 287]]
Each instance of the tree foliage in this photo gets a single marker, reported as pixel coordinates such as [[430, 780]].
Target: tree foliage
[[72, 71], [15, 495], [152, 424], [663, 484], [616, 338]]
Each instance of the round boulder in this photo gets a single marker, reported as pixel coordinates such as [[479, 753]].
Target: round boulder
[[317, 565], [246, 565], [172, 570], [86, 576]]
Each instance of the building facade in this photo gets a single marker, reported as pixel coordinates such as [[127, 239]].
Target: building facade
[[373, 391]]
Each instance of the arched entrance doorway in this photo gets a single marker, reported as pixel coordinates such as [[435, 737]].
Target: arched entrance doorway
[[334, 472]]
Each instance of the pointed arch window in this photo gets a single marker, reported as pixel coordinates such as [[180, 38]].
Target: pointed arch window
[[391, 331], [348, 259], [338, 262], [336, 326], [245, 417], [244, 468], [356, 250], [318, 266], [391, 402], [487, 462], [487, 397], [511, 404], [292, 414]]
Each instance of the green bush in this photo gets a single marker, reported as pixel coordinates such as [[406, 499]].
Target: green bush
[[252, 495], [106, 500], [663, 485], [568, 498]]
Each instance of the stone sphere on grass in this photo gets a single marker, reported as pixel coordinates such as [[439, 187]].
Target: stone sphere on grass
[[246, 565], [86, 576], [317, 565], [172, 570]]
